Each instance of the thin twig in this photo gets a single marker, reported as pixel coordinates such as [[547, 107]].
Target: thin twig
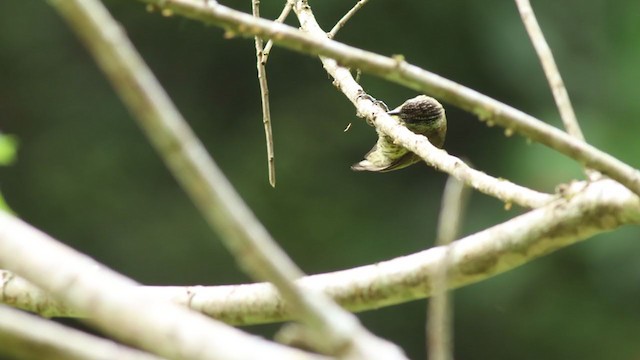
[[440, 313], [264, 96], [334, 330], [340, 24], [552, 73], [283, 15], [398, 71]]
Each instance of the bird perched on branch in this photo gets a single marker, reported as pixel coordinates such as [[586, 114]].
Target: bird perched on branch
[[422, 115]]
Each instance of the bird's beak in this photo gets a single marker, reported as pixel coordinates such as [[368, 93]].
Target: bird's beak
[[394, 112]]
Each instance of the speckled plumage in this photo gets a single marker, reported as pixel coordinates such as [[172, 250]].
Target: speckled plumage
[[422, 115]]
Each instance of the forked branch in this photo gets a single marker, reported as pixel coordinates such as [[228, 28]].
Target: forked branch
[[334, 331], [401, 72]]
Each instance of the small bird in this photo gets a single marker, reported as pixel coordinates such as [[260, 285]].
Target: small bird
[[422, 115]]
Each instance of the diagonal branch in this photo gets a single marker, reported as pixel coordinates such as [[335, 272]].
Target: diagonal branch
[[105, 296], [418, 144], [552, 73], [401, 72], [334, 330], [342, 22], [283, 15], [550, 68]]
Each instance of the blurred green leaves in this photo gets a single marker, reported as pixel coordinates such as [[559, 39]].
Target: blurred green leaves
[[87, 175], [8, 149]]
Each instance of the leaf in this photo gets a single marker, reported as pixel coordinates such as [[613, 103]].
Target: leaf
[[8, 149]]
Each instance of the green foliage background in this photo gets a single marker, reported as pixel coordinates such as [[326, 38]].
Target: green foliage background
[[86, 175]]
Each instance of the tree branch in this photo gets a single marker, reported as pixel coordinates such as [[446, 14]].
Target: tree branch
[[283, 15], [418, 144], [411, 76], [552, 73], [25, 336], [264, 96], [440, 313], [341, 23], [550, 68], [584, 210], [335, 331], [439, 159], [107, 299]]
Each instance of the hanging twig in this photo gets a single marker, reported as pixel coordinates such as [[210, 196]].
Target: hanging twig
[[264, 96]]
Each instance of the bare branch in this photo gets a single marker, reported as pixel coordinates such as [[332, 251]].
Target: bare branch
[[440, 313], [336, 331], [454, 202], [558, 89], [107, 299], [24, 336], [552, 73], [264, 96], [175, 141], [418, 144], [340, 24], [584, 210], [401, 72], [439, 159]]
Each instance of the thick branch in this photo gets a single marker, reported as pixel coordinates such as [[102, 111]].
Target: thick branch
[[109, 302], [401, 72], [586, 209]]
